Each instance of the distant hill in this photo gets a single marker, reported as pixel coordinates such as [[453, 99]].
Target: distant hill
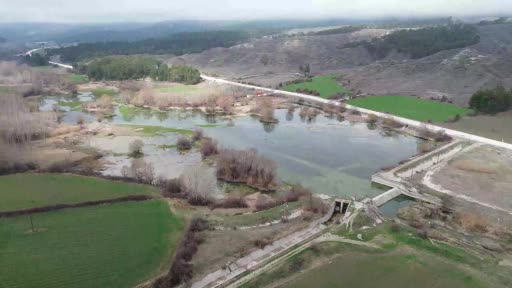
[[176, 44]]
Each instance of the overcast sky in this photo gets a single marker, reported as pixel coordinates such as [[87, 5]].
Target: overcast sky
[[157, 10]]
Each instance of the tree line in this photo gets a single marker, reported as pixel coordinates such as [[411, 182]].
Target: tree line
[[340, 30], [177, 44], [128, 67], [419, 43], [492, 101]]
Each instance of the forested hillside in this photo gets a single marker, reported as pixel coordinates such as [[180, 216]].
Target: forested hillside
[[178, 44], [419, 43]]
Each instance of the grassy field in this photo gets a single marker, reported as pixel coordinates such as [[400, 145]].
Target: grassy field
[[21, 191], [405, 260], [326, 85], [496, 127], [410, 107], [402, 270], [117, 245], [78, 79], [98, 92], [5, 89], [158, 130]]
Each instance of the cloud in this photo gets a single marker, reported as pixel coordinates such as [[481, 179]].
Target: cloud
[[156, 10]]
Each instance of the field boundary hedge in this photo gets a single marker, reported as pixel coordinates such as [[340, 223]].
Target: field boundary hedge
[[56, 207]]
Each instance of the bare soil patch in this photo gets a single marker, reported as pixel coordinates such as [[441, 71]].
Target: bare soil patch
[[482, 173]]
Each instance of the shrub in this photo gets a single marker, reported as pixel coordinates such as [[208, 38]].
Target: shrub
[[372, 119], [198, 135], [491, 101], [392, 123], [135, 148], [140, 170], [181, 270], [263, 242], [246, 166], [232, 202], [170, 188], [395, 228], [183, 143], [267, 110], [209, 147], [199, 184]]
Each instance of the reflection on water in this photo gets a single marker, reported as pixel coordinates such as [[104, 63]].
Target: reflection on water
[[328, 155], [391, 208]]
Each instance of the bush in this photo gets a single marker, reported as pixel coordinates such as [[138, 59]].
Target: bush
[[198, 135], [209, 147], [135, 148], [372, 119], [170, 188], [232, 202], [199, 184], [263, 242], [246, 166], [183, 144], [140, 170], [392, 123]]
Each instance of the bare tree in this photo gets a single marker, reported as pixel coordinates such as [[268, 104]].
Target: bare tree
[[246, 166], [140, 170], [199, 184], [226, 103], [135, 148], [209, 147]]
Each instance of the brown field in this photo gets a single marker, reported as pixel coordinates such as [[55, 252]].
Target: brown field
[[482, 173], [495, 127]]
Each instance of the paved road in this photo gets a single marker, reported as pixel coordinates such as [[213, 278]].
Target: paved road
[[412, 123]]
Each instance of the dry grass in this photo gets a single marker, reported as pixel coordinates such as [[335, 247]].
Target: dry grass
[[472, 222], [472, 166]]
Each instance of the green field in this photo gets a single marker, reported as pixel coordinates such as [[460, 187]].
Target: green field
[[158, 130], [98, 92], [403, 270], [403, 260], [5, 89], [78, 79], [118, 245], [21, 191], [411, 107], [326, 85]]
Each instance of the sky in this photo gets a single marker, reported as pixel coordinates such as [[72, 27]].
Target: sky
[[158, 10]]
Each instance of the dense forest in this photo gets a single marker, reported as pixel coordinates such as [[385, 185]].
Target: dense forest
[[419, 43], [492, 101], [125, 68], [341, 30], [177, 44]]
